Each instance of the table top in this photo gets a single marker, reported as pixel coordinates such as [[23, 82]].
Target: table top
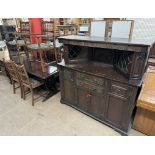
[[146, 98], [92, 39], [34, 68]]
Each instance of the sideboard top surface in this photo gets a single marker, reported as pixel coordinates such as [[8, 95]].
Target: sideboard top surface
[[137, 42], [101, 70]]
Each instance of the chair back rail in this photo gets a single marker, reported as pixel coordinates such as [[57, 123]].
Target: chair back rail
[[23, 75], [11, 68]]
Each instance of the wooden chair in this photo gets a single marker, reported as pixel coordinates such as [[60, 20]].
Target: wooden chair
[[12, 71], [30, 83]]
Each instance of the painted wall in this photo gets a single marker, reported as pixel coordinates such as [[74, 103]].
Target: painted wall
[[144, 28]]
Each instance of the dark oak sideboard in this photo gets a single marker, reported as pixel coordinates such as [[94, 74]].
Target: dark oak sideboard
[[101, 77]]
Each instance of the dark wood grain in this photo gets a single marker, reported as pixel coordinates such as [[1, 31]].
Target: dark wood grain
[[101, 77], [34, 68]]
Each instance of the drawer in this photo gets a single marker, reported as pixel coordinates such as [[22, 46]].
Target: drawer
[[120, 89], [89, 87], [90, 79], [68, 75]]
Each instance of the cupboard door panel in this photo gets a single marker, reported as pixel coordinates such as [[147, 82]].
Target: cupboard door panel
[[139, 65], [96, 105], [69, 91], [117, 110], [83, 101], [91, 102]]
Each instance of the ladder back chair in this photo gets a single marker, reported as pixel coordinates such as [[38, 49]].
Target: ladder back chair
[[27, 82], [12, 71]]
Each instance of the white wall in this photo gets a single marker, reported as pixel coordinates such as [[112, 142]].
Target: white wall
[[144, 28]]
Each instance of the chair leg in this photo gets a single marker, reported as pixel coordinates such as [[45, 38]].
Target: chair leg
[[23, 92], [13, 83], [32, 93]]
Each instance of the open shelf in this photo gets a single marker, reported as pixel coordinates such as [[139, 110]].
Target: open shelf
[[103, 70]]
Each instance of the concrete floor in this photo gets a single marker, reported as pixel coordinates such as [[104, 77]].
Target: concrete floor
[[50, 118]]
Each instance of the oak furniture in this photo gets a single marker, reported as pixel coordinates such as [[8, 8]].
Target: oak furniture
[[42, 49], [27, 82], [13, 74], [101, 77], [144, 120], [49, 77]]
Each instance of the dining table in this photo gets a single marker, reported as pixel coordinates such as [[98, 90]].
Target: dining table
[[50, 76]]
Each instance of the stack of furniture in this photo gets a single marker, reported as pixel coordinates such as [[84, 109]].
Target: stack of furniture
[[48, 30], [25, 30], [145, 116], [7, 32], [41, 50], [68, 29], [101, 77]]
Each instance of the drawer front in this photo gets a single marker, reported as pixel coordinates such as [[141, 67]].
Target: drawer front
[[89, 87], [68, 75], [120, 89], [90, 79]]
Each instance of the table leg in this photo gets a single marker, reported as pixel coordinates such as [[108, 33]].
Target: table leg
[[41, 59], [50, 85]]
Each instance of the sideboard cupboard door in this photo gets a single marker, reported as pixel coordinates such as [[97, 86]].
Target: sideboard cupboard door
[[82, 100], [96, 105], [91, 102], [116, 110], [69, 92], [67, 86]]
